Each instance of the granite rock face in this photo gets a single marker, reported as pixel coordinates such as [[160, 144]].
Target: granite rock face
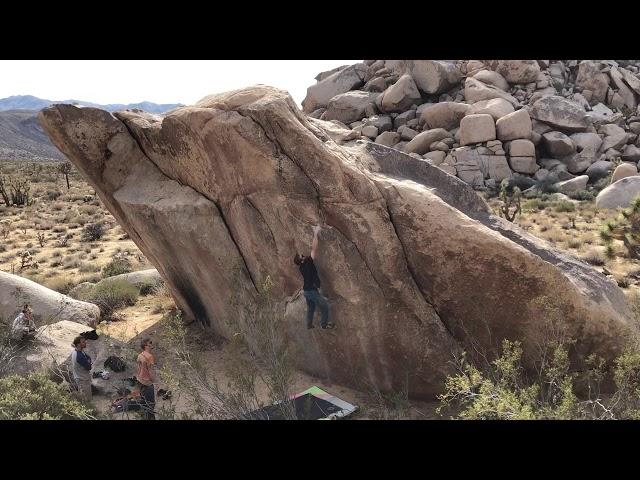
[[220, 195]]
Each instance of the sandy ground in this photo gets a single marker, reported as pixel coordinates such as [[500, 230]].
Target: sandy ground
[[144, 320]]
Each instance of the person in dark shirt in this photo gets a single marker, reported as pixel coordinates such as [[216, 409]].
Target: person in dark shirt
[[312, 284]]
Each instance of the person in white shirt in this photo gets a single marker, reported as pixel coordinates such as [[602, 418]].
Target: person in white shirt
[[81, 368], [23, 325]]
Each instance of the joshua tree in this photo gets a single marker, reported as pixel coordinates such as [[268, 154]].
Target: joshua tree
[[510, 202], [65, 169]]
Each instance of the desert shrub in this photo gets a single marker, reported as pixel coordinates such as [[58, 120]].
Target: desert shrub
[[564, 206], [92, 232], [87, 209], [623, 282], [52, 195], [110, 296], [59, 229], [118, 265], [71, 261], [149, 287], [626, 228], [534, 204], [574, 243], [502, 390], [582, 195], [594, 257], [602, 183], [61, 284], [89, 267], [35, 397]]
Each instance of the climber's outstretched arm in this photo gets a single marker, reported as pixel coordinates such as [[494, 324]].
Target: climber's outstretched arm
[[314, 244]]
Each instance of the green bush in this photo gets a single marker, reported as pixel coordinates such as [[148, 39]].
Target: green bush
[[534, 204], [92, 232], [112, 295], [35, 397], [116, 266], [564, 206], [62, 284], [504, 391], [582, 195]]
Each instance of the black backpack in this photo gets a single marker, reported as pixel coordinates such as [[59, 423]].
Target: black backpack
[[115, 363], [90, 335]]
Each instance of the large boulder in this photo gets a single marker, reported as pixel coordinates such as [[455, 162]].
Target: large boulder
[[599, 170], [142, 279], [476, 91], [434, 76], [474, 168], [619, 194], [587, 144], [349, 107], [51, 352], [628, 95], [516, 71], [624, 170], [631, 153], [561, 113], [558, 144], [631, 80], [332, 84], [400, 96], [48, 305], [591, 78], [573, 185], [497, 108], [420, 143], [514, 125], [445, 115], [220, 195], [477, 129], [490, 77]]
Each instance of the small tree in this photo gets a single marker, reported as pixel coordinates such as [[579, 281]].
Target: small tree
[[41, 239], [3, 190], [5, 229], [20, 191], [65, 169], [626, 229], [26, 260], [510, 201]]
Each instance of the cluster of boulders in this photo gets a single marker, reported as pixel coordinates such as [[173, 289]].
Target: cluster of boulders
[[566, 123]]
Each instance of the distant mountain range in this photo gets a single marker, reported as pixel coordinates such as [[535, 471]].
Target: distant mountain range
[[22, 137], [29, 102]]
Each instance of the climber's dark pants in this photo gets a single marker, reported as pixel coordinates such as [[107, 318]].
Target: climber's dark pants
[[314, 298]]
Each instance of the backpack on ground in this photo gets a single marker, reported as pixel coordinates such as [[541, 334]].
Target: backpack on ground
[[115, 363]]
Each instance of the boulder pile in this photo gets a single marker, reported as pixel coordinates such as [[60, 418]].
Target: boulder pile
[[487, 120]]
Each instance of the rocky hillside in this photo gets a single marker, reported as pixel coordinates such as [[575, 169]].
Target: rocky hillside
[[566, 123], [22, 137], [29, 102]]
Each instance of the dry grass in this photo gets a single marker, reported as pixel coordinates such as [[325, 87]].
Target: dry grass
[[574, 226], [58, 213]]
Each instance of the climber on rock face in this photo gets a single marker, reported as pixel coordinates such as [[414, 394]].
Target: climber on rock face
[[312, 284]]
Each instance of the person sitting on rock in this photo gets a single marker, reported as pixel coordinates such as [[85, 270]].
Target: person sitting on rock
[[312, 284], [23, 326], [81, 368]]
